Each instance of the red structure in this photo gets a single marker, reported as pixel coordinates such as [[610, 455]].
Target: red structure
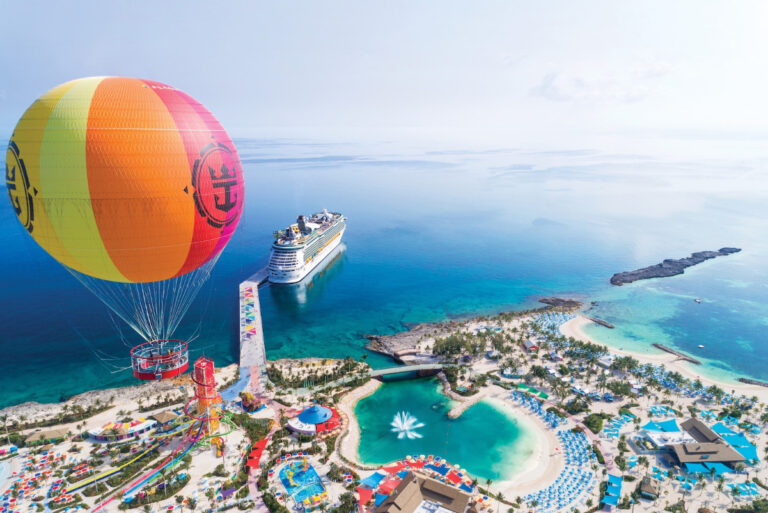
[[255, 455], [205, 393], [330, 424], [159, 359]]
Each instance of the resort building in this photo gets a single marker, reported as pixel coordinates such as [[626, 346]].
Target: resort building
[[707, 448], [606, 361], [555, 357], [116, 431], [650, 488], [530, 345], [315, 420], [165, 420], [421, 494]]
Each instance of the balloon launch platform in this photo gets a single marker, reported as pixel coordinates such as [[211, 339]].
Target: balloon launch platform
[[159, 359]]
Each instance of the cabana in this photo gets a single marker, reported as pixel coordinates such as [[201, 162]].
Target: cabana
[[668, 426], [695, 468], [719, 468], [364, 494], [372, 481], [722, 429], [649, 488]]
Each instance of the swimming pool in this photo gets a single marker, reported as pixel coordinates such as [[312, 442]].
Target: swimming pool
[[300, 480]]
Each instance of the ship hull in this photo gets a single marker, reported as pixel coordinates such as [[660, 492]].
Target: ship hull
[[293, 276]]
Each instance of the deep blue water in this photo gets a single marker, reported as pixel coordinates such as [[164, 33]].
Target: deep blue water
[[431, 235]]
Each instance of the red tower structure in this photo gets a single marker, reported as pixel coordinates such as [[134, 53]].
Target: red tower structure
[[208, 400]]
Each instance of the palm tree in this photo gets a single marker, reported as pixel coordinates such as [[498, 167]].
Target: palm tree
[[720, 484], [700, 483]]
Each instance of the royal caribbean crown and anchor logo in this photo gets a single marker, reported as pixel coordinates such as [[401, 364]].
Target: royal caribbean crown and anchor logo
[[19, 189], [216, 183]]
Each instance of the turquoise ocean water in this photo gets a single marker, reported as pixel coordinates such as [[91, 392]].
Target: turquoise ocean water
[[505, 442], [432, 234]]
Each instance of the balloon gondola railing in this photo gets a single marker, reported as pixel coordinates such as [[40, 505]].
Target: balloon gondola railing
[[159, 359]]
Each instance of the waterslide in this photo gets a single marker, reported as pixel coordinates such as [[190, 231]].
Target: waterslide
[[154, 473], [143, 479], [93, 479]]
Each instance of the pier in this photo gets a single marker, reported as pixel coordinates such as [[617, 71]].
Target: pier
[[253, 356], [681, 356], [600, 322]]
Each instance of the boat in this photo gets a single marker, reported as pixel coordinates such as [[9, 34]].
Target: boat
[[701, 346], [698, 300], [302, 246]]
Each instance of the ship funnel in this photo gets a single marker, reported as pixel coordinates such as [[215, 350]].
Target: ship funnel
[[302, 222]]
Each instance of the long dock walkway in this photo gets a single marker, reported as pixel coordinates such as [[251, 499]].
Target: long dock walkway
[[253, 357]]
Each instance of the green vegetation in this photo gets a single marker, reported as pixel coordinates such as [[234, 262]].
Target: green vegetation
[[347, 503], [594, 421], [348, 367], [95, 489], [168, 490], [255, 429], [619, 388], [757, 506], [76, 499], [273, 505], [132, 469], [457, 344], [166, 400], [68, 414]]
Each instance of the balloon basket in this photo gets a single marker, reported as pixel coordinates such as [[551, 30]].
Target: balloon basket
[[159, 359]]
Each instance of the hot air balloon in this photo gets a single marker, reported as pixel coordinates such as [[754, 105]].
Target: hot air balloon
[[136, 189]]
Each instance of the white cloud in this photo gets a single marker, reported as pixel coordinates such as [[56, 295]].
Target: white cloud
[[622, 84]]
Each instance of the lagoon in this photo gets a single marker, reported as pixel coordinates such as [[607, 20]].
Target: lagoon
[[487, 442]]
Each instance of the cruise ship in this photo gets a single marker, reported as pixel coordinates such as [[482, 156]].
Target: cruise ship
[[301, 247]]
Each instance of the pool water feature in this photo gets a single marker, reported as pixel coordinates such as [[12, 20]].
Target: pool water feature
[[507, 442], [301, 480]]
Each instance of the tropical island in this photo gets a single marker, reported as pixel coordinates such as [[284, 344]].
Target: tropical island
[[603, 427]]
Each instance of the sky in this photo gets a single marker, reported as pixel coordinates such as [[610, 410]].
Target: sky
[[557, 73]]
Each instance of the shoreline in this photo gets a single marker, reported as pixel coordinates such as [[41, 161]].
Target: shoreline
[[118, 396], [576, 328], [541, 467], [350, 441]]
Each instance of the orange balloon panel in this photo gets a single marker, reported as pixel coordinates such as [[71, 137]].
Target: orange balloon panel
[[124, 179]]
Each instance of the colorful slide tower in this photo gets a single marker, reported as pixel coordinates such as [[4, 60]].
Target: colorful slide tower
[[208, 399]]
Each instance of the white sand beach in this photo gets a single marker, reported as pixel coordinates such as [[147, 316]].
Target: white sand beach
[[542, 467], [575, 328]]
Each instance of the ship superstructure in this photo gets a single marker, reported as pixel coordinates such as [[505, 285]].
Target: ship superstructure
[[301, 247]]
